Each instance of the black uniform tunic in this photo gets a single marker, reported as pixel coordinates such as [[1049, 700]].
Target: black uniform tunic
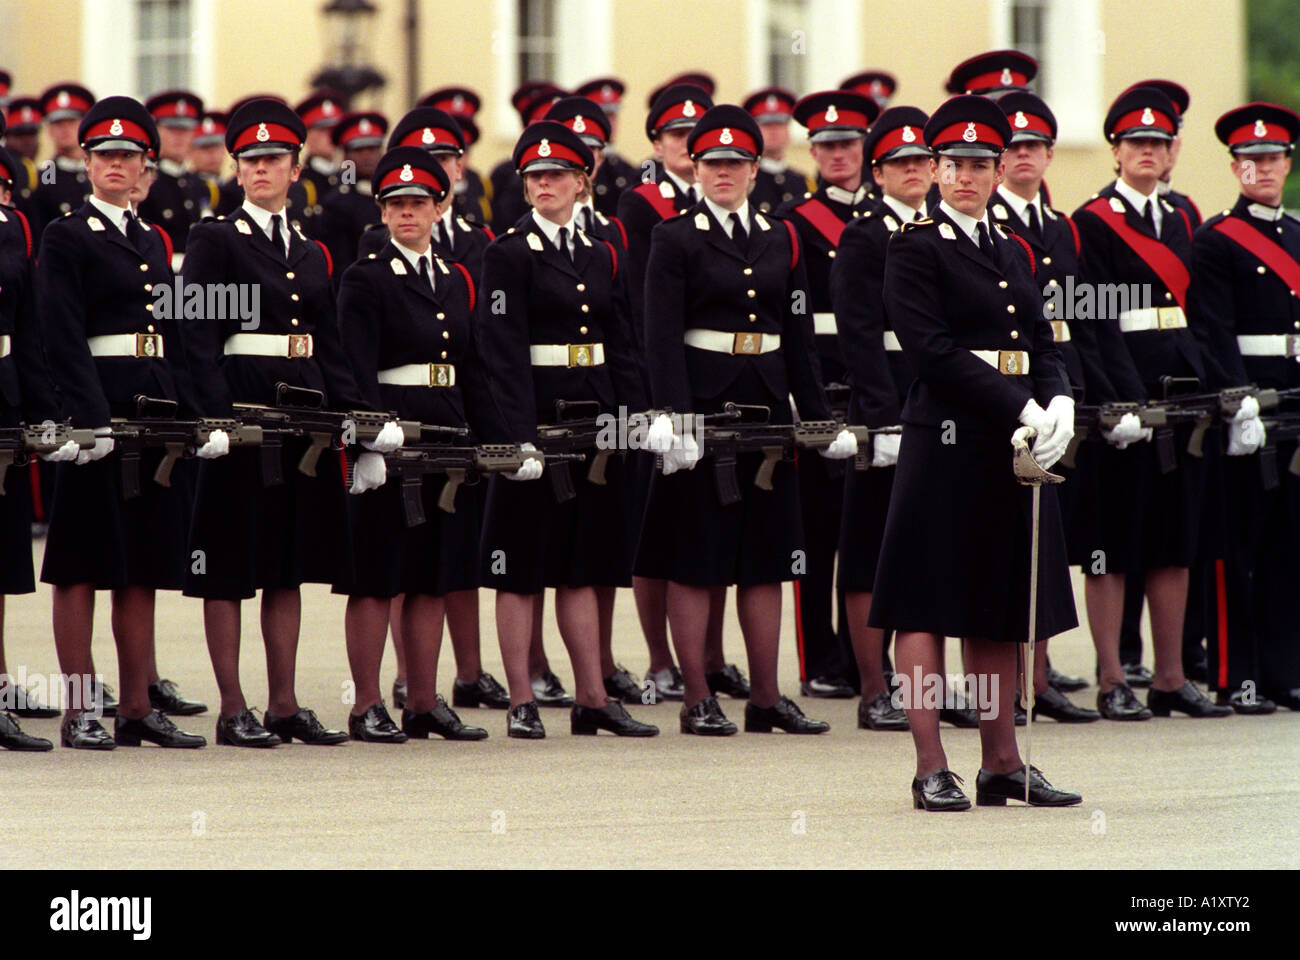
[[92, 281], [468, 243], [345, 215], [177, 200], [65, 192], [531, 293], [255, 537], [507, 201], [697, 278], [777, 185], [472, 200], [955, 555], [614, 176]]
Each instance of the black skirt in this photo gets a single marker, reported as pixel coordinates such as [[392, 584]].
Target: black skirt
[[531, 542], [16, 573], [866, 505], [253, 537], [96, 537], [438, 557], [955, 555]]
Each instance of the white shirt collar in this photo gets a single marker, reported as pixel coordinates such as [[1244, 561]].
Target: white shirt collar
[[448, 218], [771, 165], [173, 168], [966, 223], [687, 189], [1262, 211], [414, 258], [1020, 205], [849, 198], [322, 165], [552, 230], [904, 212], [1138, 200], [723, 215], [114, 214]]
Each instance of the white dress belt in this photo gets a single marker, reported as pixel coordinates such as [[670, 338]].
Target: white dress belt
[[1269, 345], [292, 346], [127, 345], [420, 375], [1152, 318], [566, 354], [891, 341], [722, 341]]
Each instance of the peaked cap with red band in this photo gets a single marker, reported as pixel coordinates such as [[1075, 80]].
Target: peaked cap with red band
[[968, 125], [409, 172], [1176, 93], [548, 145], [605, 91], [584, 117], [175, 108], [836, 115], [725, 132], [676, 108], [430, 129], [264, 126], [898, 133], [1258, 128], [359, 130], [994, 72], [212, 129], [876, 84], [771, 105], [118, 123], [457, 101], [1029, 116], [324, 108], [1141, 112], [24, 115], [66, 101]]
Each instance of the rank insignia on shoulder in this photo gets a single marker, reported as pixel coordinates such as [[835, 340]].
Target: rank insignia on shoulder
[[460, 222], [946, 231], [243, 227], [535, 242], [999, 211], [601, 218], [1166, 206], [762, 222], [1002, 231], [1117, 204], [399, 268], [95, 224], [297, 228], [701, 221], [583, 237], [442, 266], [145, 227], [1047, 212], [666, 189], [891, 223]]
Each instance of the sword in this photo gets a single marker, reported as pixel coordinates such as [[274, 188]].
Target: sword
[[1030, 474]]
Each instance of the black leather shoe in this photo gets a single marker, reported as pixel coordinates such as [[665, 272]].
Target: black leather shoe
[[1053, 703], [81, 731], [303, 726], [939, 791], [104, 695], [441, 720], [828, 688], [1121, 704], [13, 738], [995, 789], [706, 719], [549, 692], [483, 692], [668, 684], [728, 680], [1258, 706], [1188, 699], [1137, 676], [784, 714], [374, 726], [585, 721], [879, 713], [622, 686], [1287, 698], [523, 722], [165, 698], [244, 730], [1064, 682], [1197, 667], [24, 704], [960, 715], [155, 728], [399, 695]]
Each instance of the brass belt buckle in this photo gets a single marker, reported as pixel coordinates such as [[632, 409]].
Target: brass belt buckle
[[749, 344], [580, 355], [442, 375], [299, 346], [1170, 318], [1013, 362], [1293, 344], [148, 345]]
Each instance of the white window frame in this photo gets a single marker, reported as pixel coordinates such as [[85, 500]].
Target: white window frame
[[1074, 39], [109, 47]]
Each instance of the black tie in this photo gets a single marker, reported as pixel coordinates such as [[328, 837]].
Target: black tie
[[277, 237], [986, 242], [739, 235], [918, 215], [424, 271], [564, 243], [586, 219], [134, 235], [1149, 216], [444, 235], [1035, 227]]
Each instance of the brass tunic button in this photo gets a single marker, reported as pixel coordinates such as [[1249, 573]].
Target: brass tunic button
[[1015, 334], [294, 321], [1002, 284], [754, 317], [444, 354], [582, 330], [586, 309], [747, 271], [1047, 261], [831, 253], [149, 307], [442, 316], [582, 288], [1011, 308], [446, 335], [294, 297], [144, 268], [1259, 269], [289, 275], [1168, 295], [1053, 283], [751, 294], [1051, 306], [149, 329], [148, 288]]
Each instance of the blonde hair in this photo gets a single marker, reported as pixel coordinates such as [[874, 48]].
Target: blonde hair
[[584, 186]]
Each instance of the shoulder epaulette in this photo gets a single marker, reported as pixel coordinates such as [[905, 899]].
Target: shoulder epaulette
[[914, 224]]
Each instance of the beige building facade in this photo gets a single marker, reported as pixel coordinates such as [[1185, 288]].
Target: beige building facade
[[1089, 50]]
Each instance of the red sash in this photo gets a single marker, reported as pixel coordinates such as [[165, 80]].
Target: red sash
[[1163, 261], [663, 206], [822, 219], [1258, 245]]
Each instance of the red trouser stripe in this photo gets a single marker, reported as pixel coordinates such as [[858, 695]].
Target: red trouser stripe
[[1221, 594], [38, 508], [798, 629]]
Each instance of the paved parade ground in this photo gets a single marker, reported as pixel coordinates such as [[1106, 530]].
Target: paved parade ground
[[1165, 793]]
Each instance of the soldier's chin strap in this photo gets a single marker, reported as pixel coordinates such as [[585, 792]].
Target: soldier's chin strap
[[1029, 473]]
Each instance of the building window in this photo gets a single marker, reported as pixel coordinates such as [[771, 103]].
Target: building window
[[786, 43], [163, 44], [1029, 29], [537, 42]]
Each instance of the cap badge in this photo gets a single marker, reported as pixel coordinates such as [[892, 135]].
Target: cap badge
[[63, 99], [1006, 77], [909, 135], [263, 134], [363, 126], [969, 134], [427, 136], [771, 102], [208, 125], [327, 107], [1260, 129], [579, 125], [1148, 116], [544, 148], [877, 88], [181, 108], [1020, 122], [406, 176], [116, 128], [832, 115], [688, 109], [726, 136], [458, 102]]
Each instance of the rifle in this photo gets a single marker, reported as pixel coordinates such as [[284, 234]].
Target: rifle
[[838, 396], [578, 428], [1283, 427], [1091, 421], [18, 443]]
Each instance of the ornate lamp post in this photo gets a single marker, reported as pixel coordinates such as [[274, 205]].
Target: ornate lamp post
[[348, 24]]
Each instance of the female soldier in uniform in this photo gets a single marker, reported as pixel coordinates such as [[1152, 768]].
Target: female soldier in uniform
[[954, 560], [96, 272], [723, 323], [552, 327]]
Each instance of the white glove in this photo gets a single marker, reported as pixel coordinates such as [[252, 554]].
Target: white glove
[[1249, 410], [884, 453], [217, 445], [683, 455], [659, 438], [1055, 427], [1035, 416], [1128, 430], [63, 454], [844, 445], [389, 439], [1245, 436], [369, 473], [531, 468], [104, 444]]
